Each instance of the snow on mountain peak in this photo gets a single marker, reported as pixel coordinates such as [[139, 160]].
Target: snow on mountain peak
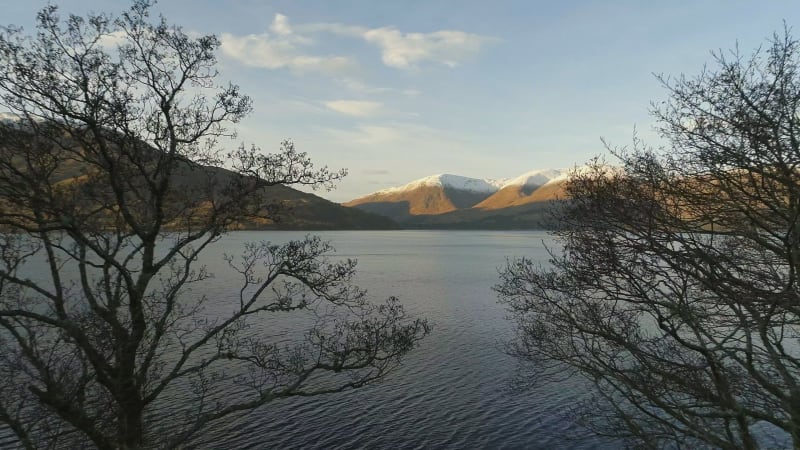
[[533, 178], [536, 177], [447, 180]]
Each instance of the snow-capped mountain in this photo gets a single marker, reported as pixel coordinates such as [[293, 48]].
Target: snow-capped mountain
[[446, 195], [530, 187], [436, 194], [534, 177]]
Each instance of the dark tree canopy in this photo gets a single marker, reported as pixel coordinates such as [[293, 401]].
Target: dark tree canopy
[[676, 294], [110, 190]]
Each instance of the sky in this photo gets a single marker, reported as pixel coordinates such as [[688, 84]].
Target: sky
[[399, 90]]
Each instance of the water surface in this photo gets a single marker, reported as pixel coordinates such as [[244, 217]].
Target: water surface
[[453, 391]]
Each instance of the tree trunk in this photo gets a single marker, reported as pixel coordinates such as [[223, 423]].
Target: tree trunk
[[794, 411], [131, 426]]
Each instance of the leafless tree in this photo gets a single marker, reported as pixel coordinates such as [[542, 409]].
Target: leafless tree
[[674, 290], [111, 188]]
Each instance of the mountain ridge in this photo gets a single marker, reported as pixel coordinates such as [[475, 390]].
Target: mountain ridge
[[447, 200]]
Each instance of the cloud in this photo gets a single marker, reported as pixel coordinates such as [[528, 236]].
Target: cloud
[[113, 40], [408, 50], [280, 25], [285, 45], [357, 108], [280, 50]]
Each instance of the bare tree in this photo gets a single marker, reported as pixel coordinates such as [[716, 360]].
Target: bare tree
[[674, 290], [110, 191]]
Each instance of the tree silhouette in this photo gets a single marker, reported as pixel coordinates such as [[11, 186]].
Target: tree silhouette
[[111, 189], [676, 293]]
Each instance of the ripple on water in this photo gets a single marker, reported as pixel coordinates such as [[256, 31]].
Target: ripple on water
[[450, 393]]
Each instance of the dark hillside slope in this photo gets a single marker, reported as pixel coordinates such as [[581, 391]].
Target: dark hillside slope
[[193, 187]]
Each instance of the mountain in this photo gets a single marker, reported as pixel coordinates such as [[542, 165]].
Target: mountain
[[304, 211], [281, 206], [433, 195], [530, 187], [452, 201]]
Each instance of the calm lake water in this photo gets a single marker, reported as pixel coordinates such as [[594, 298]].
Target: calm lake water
[[453, 391]]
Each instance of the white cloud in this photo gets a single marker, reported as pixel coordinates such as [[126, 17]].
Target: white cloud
[[280, 25], [283, 49], [113, 40], [408, 50], [261, 50], [357, 108], [283, 46], [400, 50]]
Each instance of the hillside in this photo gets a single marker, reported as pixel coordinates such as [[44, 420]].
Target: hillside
[[304, 211], [193, 188]]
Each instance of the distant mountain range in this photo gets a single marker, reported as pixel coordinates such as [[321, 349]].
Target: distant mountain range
[[454, 201]]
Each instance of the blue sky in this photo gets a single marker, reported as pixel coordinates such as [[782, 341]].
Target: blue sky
[[398, 90]]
